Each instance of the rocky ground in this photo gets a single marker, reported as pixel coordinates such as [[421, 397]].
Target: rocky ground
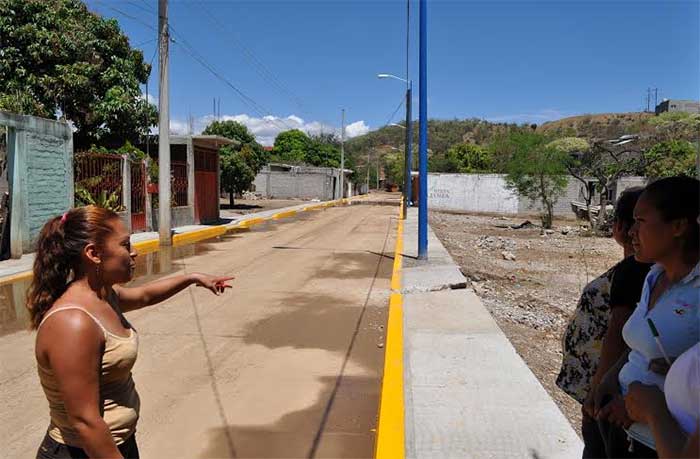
[[530, 281]]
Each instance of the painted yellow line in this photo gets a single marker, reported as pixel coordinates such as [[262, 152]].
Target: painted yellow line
[[390, 442]]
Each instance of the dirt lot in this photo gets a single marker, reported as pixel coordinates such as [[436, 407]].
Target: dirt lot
[[249, 206], [529, 281]]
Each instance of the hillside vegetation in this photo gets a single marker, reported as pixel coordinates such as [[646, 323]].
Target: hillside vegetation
[[387, 143]]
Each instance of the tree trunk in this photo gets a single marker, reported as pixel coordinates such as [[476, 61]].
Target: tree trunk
[[230, 199], [603, 203], [547, 211]]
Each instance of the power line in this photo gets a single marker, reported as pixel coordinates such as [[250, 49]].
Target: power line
[[259, 67], [127, 15], [391, 118], [249, 101], [191, 51], [136, 5]]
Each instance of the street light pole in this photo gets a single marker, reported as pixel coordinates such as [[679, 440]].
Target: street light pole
[[408, 167], [164, 222], [423, 137], [408, 155]]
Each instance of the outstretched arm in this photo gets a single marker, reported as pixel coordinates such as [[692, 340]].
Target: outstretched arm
[[131, 298]]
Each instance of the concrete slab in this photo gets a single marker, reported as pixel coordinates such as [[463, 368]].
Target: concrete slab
[[466, 390], [428, 278], [447, 312]]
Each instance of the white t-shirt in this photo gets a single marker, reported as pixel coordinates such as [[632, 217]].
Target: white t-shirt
[[682, 389], [676, 316]]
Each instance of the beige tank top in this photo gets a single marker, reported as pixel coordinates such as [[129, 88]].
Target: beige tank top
[[119, 399]]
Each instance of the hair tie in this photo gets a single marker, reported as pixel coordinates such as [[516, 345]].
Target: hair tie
[[64, 218]]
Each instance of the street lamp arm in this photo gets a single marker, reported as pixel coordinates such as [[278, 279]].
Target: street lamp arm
[[389, 75]]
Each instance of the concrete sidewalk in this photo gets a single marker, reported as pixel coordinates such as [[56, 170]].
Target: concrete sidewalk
[[467, 392], [12, 270]]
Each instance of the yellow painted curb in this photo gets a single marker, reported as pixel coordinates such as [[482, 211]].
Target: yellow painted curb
[[289, 213], [251, 222], [390, 442], [24, 275], [152, 245]]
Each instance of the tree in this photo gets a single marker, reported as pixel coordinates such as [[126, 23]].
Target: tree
[[394, 168], [251, 151], [470, 158], [291, 146], [534, 170], [231, 130], [574, 148], [676, 125], [323, 151], [59, 59], [236, 175], [669, 158]]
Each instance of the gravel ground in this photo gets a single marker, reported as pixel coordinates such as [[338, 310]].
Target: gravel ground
[[529, 281]]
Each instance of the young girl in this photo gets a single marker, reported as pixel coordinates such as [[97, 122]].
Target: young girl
[[85, 347], [665, 231]]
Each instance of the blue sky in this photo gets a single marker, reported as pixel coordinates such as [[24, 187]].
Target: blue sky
[[299, 62]]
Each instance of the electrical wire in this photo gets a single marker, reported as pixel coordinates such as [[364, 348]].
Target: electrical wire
[[391, 117], [259, 67], [280, 123]]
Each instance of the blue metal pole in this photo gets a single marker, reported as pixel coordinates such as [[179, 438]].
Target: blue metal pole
[[423, 154], [409, 145]]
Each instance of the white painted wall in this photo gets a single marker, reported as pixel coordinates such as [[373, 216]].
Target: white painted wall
[[471, 193]]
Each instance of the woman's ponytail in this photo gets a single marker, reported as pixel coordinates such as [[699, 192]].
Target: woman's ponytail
[[58, 255]]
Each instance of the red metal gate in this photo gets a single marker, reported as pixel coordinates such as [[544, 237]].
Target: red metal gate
[[98, 179], [206, 203], [138, 196], [178, 170]]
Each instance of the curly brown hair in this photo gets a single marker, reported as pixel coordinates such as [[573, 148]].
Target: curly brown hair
[[58, 254]]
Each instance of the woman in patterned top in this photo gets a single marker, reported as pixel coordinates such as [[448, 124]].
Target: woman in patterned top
[[593, 340]]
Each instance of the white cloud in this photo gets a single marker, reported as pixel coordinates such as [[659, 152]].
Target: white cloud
[[356, 128], [539, 116], [265, 129], [151, 99]]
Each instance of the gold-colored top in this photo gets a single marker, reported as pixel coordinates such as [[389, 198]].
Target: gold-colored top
[[119, 400]]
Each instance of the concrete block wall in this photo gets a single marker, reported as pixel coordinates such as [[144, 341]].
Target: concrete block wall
[[489, 193], [573, 192], [303, 183], [47, 171], [471, 193], [40, 175]]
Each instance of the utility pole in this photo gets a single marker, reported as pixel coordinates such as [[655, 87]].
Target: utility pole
[[377, 172], [656, 97], [164, 222], [648, 98], [342, 153], [369, 165], [423, 137]]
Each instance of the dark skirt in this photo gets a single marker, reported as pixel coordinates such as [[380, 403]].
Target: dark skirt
[[51, 449]]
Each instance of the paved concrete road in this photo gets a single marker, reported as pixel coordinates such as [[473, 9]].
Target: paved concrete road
[[287, 365]]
